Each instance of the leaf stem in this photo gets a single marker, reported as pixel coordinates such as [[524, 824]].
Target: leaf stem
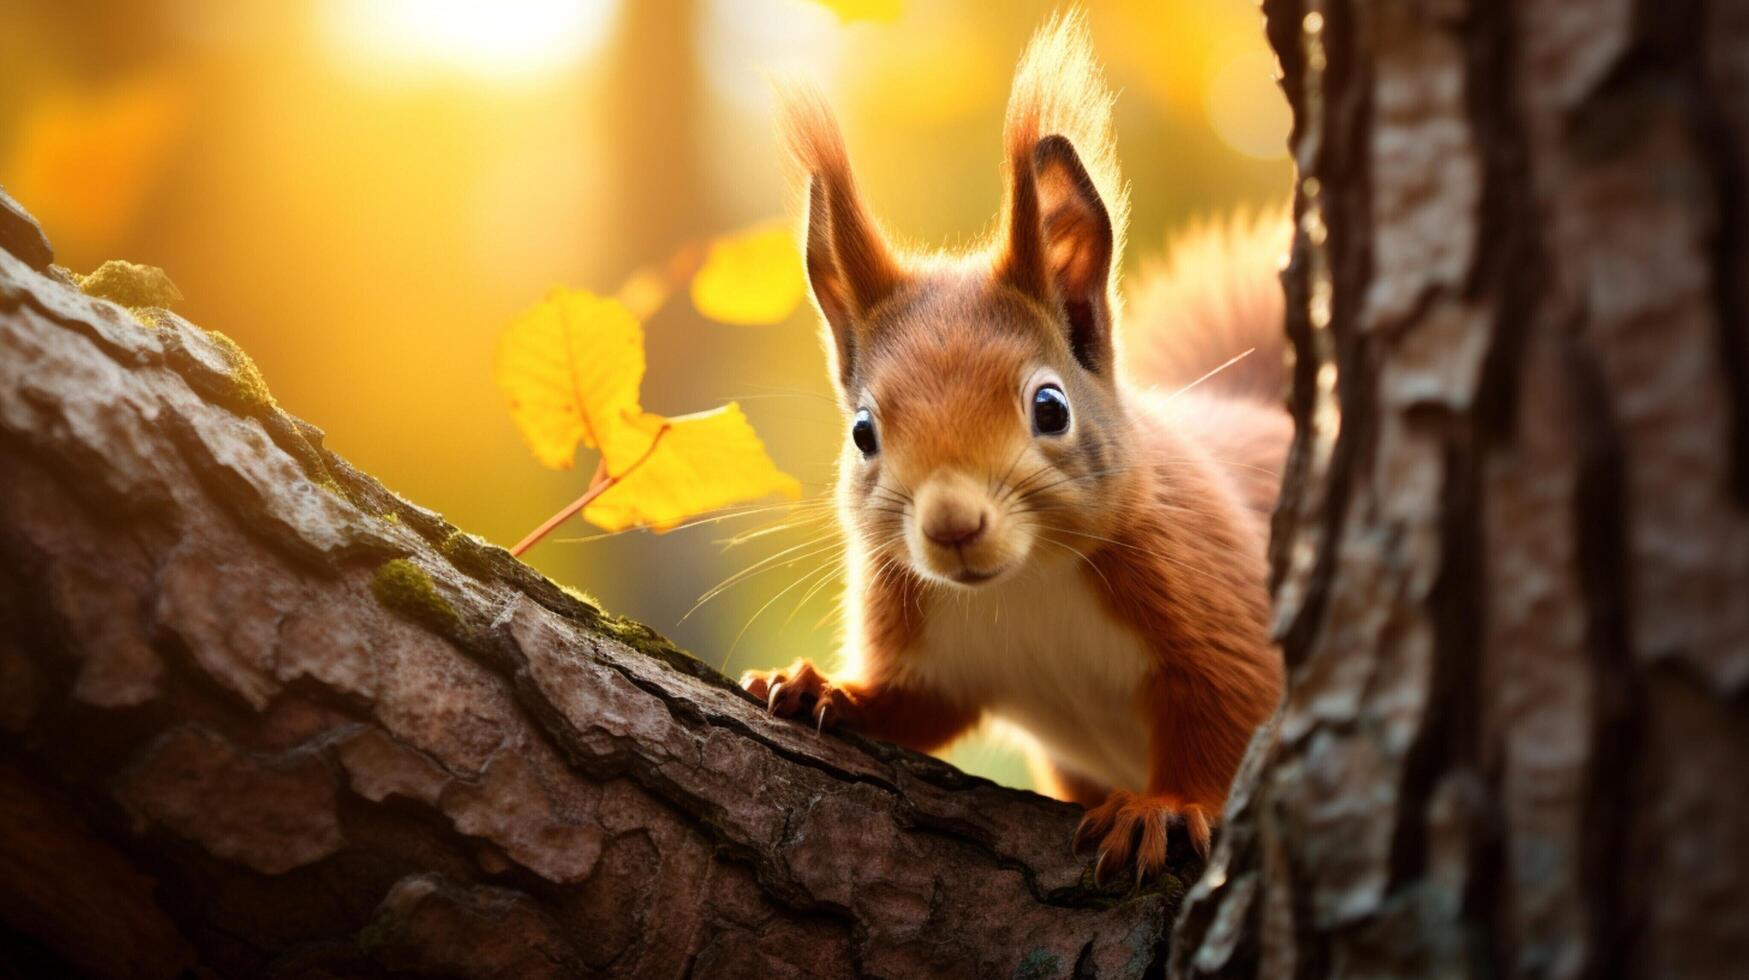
[[599, 484]]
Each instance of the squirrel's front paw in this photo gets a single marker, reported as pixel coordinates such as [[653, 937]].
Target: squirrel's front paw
[[799, 691], [1130, 828]]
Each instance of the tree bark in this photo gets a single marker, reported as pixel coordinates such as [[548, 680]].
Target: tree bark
[[1512, 557], [261, 717]]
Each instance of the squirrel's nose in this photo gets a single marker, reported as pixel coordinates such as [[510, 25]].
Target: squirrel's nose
[[952, 528]]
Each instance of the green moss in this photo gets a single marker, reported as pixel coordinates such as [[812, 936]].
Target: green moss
[[132, 285], [579, 595], [653, 644], [388, 515], [248, 387], [628, 631], [328, 483], [404, 587], [1038, 964], [468, 553]]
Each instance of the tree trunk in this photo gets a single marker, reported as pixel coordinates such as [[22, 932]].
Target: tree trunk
[[261, 717], [1512, 559]]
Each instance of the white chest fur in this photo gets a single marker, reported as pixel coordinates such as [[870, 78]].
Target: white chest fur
[[1041, 653]]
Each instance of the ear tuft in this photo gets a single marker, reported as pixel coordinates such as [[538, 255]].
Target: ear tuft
[[1060, 89], [851, 269], [1064, 218]]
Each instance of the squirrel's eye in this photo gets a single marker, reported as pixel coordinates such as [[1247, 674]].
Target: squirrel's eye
[[862, 432], [1050, 411]]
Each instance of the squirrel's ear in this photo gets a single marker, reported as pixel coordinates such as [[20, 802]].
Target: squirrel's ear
[[1063, 222], [1060, 243], [850, 270], [850, 267]]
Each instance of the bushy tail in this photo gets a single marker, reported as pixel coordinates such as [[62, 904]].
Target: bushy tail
[[1217, 292]]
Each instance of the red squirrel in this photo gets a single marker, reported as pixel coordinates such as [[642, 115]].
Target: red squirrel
[[1038, 529]]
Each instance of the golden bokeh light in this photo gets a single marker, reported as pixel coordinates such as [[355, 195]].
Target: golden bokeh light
[[495, 39]]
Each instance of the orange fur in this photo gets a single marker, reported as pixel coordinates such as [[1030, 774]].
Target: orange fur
[[1192, 577], [1105, 590]]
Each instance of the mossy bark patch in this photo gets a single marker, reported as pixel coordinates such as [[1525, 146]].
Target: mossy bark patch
[[468, 553], [131, 284], [404, 587], [249, 387]]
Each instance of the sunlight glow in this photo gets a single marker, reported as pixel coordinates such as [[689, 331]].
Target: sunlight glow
[[744, 44], [1246, 106], [501, 39]]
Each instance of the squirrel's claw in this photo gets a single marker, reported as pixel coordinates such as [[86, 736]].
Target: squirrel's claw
[[1089, 831], [1099, 867], [799, 690], [1196, 824], [1131, 831]]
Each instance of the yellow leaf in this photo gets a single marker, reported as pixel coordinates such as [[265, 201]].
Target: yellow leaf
[[571, 368], [690, 465], [854, 10], [751, 278]]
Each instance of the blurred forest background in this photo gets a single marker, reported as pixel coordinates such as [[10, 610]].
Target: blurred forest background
[[363, 193]]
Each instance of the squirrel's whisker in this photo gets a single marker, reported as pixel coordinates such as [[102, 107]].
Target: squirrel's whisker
[[820, 545], [830, 570], [766, 605]]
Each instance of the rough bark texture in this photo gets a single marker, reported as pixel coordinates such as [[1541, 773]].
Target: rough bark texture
[[260, 716], [1512, 561]]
